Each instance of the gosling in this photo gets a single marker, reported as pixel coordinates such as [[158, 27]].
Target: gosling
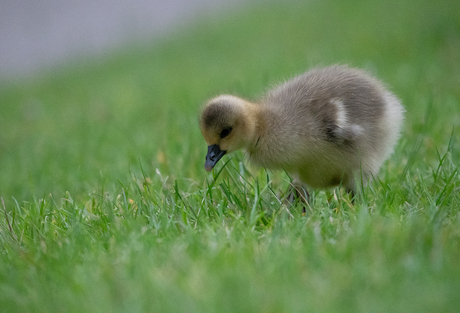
[[326, 127]]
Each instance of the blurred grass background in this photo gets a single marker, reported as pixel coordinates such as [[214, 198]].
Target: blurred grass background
[[93, 129]]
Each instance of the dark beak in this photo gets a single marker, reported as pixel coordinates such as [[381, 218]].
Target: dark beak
[[214, 155]]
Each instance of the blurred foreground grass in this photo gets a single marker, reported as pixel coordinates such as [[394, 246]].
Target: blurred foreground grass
[[108, 207]]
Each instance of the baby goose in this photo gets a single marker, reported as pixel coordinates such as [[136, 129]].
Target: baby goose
[[326, 127]]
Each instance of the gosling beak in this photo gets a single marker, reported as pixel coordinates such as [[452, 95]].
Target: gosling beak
[[214, 155]]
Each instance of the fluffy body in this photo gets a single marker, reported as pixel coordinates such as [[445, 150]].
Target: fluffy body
[[326, 126]]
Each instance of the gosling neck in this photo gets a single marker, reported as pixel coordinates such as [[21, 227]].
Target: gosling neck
[[256, 125]]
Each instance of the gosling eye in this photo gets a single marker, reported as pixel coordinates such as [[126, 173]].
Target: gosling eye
[[225, 132]]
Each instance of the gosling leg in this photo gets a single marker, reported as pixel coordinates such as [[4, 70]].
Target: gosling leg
[[350, 188], [298, 191]]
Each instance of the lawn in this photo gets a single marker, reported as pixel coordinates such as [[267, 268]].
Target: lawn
[[107, 207]]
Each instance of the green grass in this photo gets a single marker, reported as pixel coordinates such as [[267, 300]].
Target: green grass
[[108, 207]]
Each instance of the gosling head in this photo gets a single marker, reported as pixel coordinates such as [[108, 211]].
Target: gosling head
[[227, 124]]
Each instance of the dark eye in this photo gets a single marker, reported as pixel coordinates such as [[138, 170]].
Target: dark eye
[[225, 132]]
